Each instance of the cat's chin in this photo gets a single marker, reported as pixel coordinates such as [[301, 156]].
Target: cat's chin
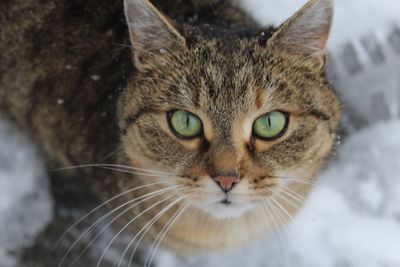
[[224, 210]]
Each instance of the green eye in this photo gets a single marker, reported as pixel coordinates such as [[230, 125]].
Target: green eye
[[185, 124], [270, 126]]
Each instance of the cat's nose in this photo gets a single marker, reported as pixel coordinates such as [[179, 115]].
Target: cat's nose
[[226, 182]]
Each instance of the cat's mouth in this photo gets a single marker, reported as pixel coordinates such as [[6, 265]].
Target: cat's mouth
[[226, 201], [227, 208]]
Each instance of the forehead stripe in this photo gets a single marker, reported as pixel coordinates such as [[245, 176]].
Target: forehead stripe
[[132, 119], [319, 115]]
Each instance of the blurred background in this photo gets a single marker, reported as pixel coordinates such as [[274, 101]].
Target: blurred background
[[352, 218]]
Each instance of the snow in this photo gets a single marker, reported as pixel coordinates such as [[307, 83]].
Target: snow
[[352, 217], [360, 224], [369, 14], [25, 202]]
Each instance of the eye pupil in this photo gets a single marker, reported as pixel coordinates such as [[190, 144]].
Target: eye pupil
[[270, 126], [185, 124]]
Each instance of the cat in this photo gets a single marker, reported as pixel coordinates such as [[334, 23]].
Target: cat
[[217, 135]]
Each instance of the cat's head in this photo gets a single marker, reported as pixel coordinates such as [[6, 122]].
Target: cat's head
[[237, 119]]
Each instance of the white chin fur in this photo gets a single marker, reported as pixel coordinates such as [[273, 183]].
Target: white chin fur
[[222, 211]]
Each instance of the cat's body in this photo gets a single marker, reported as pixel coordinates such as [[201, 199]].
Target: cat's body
[[62, 80], [62, 68]]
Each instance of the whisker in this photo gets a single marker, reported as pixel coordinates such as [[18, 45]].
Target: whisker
[[274, 219], [143, 232], [112, 153], [295, 195], [129, 223], [141, 198], [137, 173], [137, 168], [163, 233], [348, 201], [111, 166], [122, 45], [272, 225], [96, 209], [137, 243], [297, 204], [282, 208], [277, 208], [297, 180]]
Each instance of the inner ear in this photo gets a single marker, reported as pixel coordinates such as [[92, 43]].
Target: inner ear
[[149, 30], [306, 32]]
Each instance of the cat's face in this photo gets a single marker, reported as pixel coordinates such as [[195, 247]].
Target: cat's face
[[236, 121]]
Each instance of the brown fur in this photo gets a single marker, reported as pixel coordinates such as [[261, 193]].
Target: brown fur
[[228, 73]]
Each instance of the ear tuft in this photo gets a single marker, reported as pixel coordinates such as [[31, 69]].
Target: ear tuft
[[149, 30], [306, 32]]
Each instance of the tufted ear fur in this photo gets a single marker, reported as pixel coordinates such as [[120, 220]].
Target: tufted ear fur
[[150, 31], [306, 32]]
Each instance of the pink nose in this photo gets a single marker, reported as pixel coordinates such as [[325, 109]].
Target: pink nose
[[226, 182]]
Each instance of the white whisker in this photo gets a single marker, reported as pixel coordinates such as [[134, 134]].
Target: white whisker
[[297, 180], [278, 229], [272, 225], [96, 209], [294, 195], [129, 223], [161, 236], [112, 153], [137, 173], [143, 231], [282, 208], [285, 196], [112, 166], [141, 198]]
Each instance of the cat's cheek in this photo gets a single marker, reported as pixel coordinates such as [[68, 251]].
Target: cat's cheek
[[321, 146]]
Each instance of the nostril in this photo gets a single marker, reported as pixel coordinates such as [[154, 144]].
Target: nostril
[[226, 182]]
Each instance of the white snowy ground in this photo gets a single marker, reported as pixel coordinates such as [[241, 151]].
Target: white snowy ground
[[352, 219], [25, 202]]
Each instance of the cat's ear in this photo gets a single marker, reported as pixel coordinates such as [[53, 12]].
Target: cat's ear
[[150, 31], [306, 32]]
